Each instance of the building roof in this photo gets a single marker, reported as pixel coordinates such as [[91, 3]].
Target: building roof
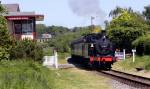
[[14, 12], [12, 7], [20, 13], [13, 15]]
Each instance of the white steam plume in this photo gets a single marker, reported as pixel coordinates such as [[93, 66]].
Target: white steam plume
[[87, 8]]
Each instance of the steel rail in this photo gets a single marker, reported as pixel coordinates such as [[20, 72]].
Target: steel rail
[[129, 79]]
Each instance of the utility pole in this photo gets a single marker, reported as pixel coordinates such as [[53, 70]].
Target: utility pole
[[92, 25]]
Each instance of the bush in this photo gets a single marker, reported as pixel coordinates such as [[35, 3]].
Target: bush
[[26, 49], [5, 38], [4, 54], [142, 45]]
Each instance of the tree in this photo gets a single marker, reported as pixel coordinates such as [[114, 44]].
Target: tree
[[5, 38], [40, 28], [53, 30], [116, 12], [125, 28], [62, 42], [146, 13]]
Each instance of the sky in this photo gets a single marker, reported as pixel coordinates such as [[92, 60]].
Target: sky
[[60, 13]]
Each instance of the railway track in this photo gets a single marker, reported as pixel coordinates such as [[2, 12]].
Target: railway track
[[65, 66], [129, 79], [125, 78]]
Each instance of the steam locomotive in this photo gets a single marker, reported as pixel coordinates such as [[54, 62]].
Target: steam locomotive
[[95, 50]]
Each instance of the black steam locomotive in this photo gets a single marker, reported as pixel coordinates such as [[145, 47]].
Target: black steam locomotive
[[94, 50]]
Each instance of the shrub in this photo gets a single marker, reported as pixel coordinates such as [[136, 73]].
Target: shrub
[[5, 38], [26, 49], [142, 45], [4, 53]]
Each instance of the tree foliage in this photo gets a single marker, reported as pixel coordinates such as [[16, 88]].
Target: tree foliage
[[53, 30], [5, 38], [62, 42], [116, 12], [125, 28], [146, 12], [24, 49], [142, 45]]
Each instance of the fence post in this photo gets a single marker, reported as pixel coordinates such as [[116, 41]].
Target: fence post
[[133, 51], [56, 59], [124, 54]]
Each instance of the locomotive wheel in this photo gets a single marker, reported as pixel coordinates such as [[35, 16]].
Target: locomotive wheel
[[108, 66]]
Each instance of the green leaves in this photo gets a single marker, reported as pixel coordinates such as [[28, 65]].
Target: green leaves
[[146, 13], [142, 44], [62, 42], [26, 49], [125, 28], [4, 54], [5, 38]]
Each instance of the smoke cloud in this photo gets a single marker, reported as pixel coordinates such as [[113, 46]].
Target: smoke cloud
[[87, 8]]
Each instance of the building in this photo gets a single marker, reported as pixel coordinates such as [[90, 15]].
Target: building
[[44, 38], [21, 24]]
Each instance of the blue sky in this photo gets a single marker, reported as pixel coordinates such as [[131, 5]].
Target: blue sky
[[58, 12]]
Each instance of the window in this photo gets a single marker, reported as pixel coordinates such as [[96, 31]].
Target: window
[[17, 26], [23, 27], [27, 27]]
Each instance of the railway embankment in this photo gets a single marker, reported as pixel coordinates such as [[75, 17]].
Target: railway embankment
[[140, 67]]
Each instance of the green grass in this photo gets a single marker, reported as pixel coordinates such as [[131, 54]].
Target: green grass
[[140, 61], [24, 75], [32, 75], [79, 79], [62, 57]]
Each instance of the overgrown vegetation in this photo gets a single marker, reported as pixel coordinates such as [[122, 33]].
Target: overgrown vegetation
[[25, 75], [128, 64], [26, 49]]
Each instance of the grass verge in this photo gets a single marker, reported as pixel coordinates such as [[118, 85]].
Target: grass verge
[[79, 79], [128, 64], [32, 75], [24, 75], [62, 57], [129, 67]]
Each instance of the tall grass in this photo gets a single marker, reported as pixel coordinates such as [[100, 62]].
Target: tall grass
[[24, 75], [140, 62]]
